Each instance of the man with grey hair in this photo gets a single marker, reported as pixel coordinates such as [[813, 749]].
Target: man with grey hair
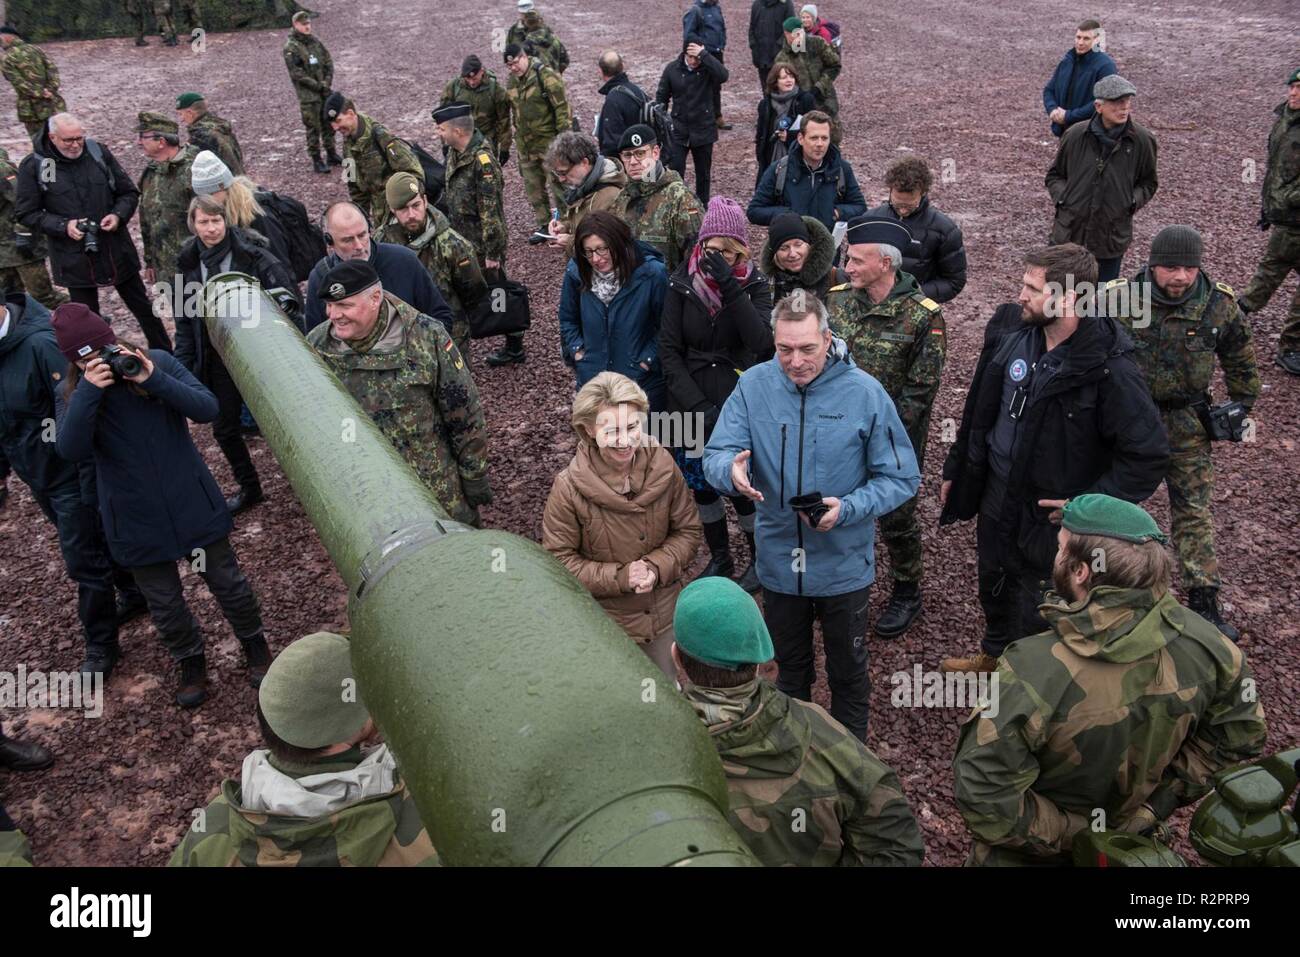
[[896, 334], [817, 443], [1104, 172], [624, 101], [594, 182]]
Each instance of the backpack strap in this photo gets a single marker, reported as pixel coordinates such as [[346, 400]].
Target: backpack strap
[[97, 154], [782, 166]]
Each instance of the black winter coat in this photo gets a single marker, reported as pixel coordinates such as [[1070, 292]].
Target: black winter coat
[[766, 33], [700, 354], [691, 95], [767, 148], [937, 257], [1094, 428], [818, 273], [619, 111], [248, 254], [78, 189]]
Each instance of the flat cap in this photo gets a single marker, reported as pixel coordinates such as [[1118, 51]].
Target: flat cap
[[186, 100], [333, 105], [471, 64], [634, 137], [302, 16], [309, 696], [401, 188], [451, 111], [347, 279], [716, 622], [147, 122], [1109, 517], [1112, 87], [878, 229]]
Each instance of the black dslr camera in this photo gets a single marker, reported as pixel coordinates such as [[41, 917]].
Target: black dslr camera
[[121, 363], [89, 241], [1223, 423], [812, 506]]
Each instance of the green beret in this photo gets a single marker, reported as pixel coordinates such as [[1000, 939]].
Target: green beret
[[156, 123], [792, 24], [1110, 518], [1294, 77], [309, 696], [716, 622], [186, 100], [401, 188]]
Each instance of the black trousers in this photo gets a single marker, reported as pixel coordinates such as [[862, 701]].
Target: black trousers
[[226, 428], [702, 157], [717, 93], [1108, 269], [1010, 588], [844, 635], [85, 556], [133, 293], [160, 584], [763, 71]]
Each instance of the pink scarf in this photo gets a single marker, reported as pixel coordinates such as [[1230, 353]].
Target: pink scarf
[[703, 283]]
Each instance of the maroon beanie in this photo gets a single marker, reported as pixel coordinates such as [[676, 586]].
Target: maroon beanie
[[724, 217], [80, 332]]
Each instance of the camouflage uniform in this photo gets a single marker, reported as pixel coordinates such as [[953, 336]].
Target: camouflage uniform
[[533, 29], [802, 790], [491, 108], [31, 72], [816, 69], [417, 388], [165, 196], [1176, 351], [901, 342], [22, 270], [372, 156], [1126, 700], [162, 12], [541, 112], [312, 71], [451, 261], [211, 132], [473, 194], [1282, 210], [384, 831], [663, 213], [14, 850]]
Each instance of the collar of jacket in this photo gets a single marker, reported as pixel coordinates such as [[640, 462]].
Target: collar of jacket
[[1281, 110], [753, 742], [608, 86], [172, 165], [603, 172], [641, 272], [821, 255], [1195, 296], [680, 281], [387, 350], [801, 168], [916, 216], [903, 289], [1114, 624], [364, 133], [434, 223], [1096, 340], [651, 477], [458, 158]]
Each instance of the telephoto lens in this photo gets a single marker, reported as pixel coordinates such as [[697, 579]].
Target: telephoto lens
[[122, 363]]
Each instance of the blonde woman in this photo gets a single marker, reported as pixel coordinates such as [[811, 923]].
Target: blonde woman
[[209, 176], [620, 516]]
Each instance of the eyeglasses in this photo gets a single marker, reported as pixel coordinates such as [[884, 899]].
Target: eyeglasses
[[590, 254], [561, 172], [640, 155], [727, 253], [68, 139]]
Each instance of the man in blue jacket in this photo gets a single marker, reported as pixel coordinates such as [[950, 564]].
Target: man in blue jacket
[[703, 23], [813, 180], [809, 428], [1067, 98]]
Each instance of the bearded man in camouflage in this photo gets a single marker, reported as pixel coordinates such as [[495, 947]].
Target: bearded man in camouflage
[[1120, 714]]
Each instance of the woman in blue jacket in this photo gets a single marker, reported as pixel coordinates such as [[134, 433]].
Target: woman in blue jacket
[[158, 500], [613, 295]]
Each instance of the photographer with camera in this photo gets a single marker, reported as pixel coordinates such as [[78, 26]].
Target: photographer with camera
[[777, 113], [1192, 320], [73, 190], [217, 247], [818, 444], [127, 412]]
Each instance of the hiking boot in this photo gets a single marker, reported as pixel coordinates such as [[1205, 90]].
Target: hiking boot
[[193, 690], [129, 606], [723, 124], [900, 611], [141, 42], [23, 755], [1290, 361], [245, 498], [332, 157], [1205, 602], [258, 658], [318, 164], [171, 41], [977, 663], [101, 659], [506, 356], [720, 561]]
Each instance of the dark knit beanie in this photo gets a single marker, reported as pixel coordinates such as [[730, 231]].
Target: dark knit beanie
[[784, 227], [1176, 246], [80, 332]]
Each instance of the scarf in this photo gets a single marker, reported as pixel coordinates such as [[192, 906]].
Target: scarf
[[213, 259], [265, 790], [703, 283], [781, 101], [1109, 138], [590, 184], [362, 346], [721, 705], [605, 285]]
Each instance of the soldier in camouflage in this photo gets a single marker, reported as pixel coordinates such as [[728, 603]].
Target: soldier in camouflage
[[1120, 713], [1281, 213], [210, 132], [373, 155], [35, 80], [531, 30], [540, 107], [449, 256], [22, 252], [355, 811], [311, 68], [1191, 319], [165, 194], [896, 334], [802, 789], [479, 89], [655, 202], [403, 368], [815, 63]]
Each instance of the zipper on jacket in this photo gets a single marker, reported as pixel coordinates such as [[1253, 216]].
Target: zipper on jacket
[[781, 504], [803, 402], [898, 463]]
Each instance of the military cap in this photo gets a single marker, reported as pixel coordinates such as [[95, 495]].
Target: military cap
[[401, 188], [333, 105], [525, 6], [451, 111], [148, 122], [1176, 246], [1294, 77], [1108, 517], [347, 279], [302, 16], [634, 137], [791, 24], [309, 696], [186, 100], [512, 50], [1112, 87], [471, 64], [878, 229], [716, 622]]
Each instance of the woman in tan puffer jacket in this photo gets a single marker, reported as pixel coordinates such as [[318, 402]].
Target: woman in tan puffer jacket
[[620, 516]]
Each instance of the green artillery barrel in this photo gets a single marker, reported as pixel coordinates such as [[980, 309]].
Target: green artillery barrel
[[529, 728]]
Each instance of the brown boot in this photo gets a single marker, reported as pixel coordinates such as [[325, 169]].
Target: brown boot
[[193, 690], [258, 658], [977, 663]]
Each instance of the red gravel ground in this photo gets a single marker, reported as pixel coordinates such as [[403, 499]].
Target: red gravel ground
[[963, 90]]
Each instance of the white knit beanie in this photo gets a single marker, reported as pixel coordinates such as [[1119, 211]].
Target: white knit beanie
[[809, 8], [209, 174]]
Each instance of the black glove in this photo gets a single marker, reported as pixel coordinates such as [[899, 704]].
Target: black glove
[[504, 157], [1263, 223], [719, 270], [477, 491]]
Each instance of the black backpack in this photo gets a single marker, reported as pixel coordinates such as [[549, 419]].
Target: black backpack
[[656, 117], [435, 171], [304, 238]]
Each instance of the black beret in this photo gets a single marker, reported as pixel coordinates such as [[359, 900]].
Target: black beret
[[451, 111], [512, 50], [333, 105], [471, 64], [878, 229], [347, 279], [634, 137]]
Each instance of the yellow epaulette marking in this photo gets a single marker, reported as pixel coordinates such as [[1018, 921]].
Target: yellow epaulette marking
[[1224, 288], [1115, 282], [930, 304], [485, 159], [840, 288]]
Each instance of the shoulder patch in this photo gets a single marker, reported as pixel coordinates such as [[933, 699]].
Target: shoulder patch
[[1224, 288], [1110, 284], [929, 304], [840, 288], [484, 158]]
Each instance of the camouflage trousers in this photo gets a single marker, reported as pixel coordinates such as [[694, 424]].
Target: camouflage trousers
[[35, 128], [1281, 258], [317, 129], [162, 11], [532, 167], [900, 529], [1190, 481], [34, 278]]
